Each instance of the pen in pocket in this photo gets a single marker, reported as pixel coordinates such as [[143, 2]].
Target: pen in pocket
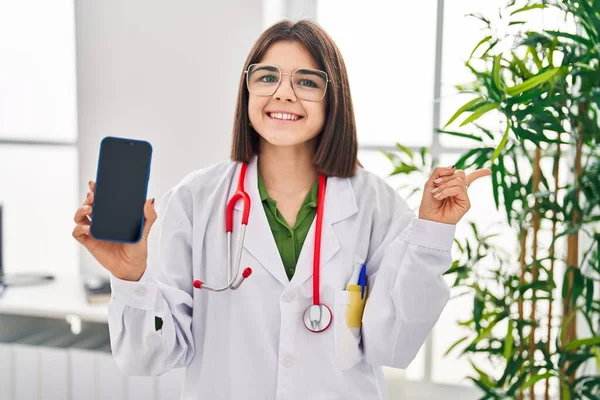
[[362, 280]]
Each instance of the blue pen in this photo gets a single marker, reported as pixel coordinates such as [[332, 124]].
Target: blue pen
[[362, 280]]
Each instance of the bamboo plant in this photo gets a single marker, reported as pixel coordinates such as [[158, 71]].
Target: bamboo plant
[[544, 87]]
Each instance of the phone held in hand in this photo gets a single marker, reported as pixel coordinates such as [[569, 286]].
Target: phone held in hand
[[121, 188]]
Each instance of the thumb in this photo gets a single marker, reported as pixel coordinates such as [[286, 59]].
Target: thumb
[[150, 215]]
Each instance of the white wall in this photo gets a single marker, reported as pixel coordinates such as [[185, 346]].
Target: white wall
[[166, 72]]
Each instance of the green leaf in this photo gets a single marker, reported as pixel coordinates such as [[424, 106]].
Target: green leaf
[[527, 8], [534, 56], [405, 150], [511, 368], [575, 38], [508, 194], [502, 144], [459, 341], [483, 387], [512, 390], [464, 108], [496, 176], [525, 99], [480, 17], [565, 323], [482, 41], [589, 295], [491, 46], [478, 306], [483, 377], [536, 379], [551, 49], [577, 343], [390, 156], [566, 393], [532, 82], [479, 111], [542, 285], [578, 282], [460, 134], [496, 71], [508, 342], [577, 363], [488, 330], [521, 65], [403, 168], [486, 131], [596, 352]]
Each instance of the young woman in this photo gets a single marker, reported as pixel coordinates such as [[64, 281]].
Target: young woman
[[345, 277]]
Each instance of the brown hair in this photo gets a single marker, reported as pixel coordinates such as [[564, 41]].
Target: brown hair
[[337, 145]]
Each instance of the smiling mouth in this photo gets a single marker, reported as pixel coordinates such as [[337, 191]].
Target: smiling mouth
[[284, 116]]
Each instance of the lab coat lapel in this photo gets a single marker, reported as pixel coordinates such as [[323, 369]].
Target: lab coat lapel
[[259, 240], [340, 203]]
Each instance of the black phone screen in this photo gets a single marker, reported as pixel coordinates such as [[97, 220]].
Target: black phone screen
[[121, 189]]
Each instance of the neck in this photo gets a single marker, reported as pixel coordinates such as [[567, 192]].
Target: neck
[[287, 171]]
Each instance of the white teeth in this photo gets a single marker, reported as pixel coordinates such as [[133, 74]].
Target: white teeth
[[284, 116]]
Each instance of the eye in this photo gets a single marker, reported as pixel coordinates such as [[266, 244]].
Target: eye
[[308, 83], [268, 78]]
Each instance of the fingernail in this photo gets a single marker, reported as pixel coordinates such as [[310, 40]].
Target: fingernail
[[452, 167], [437, 195], [85, 208], [434, 190], [438, 180]]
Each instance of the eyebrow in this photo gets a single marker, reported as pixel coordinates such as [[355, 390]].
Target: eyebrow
[[272, 68], [268, 68], [310, 71]]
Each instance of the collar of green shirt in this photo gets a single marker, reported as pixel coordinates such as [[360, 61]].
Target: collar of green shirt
[[310, 200]]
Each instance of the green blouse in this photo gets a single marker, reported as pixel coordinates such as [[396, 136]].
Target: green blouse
[[289, 240]]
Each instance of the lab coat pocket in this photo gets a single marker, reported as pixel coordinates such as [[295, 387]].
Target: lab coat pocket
[[348, 310]]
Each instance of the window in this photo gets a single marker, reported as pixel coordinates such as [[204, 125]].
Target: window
[[391, 50], [390, 63], [38, 134]]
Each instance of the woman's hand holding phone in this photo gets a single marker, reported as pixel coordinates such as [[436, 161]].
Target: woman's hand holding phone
[[123, 260]]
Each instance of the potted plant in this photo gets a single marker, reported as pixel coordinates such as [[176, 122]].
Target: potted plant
[[544, 86]]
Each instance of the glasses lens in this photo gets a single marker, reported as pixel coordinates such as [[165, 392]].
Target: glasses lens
[[310, 84], [263, 79]]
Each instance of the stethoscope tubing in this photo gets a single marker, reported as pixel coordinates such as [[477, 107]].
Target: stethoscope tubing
[[233, 279]]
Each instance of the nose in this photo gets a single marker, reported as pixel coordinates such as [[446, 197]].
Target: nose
[[285, 91]]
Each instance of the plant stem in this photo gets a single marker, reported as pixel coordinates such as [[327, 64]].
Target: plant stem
[[573, 254], [537, 171], [552, 249], [521, 282]]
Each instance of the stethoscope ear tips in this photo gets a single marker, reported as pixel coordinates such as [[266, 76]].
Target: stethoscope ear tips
[[247, 272], [198, 284]]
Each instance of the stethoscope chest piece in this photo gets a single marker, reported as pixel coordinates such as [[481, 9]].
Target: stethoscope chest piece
[[317, 318]]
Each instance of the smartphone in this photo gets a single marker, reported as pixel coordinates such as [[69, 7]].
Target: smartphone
[[121, 187]]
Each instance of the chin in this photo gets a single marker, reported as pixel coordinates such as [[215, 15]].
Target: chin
[[286, 139], [283, 142]]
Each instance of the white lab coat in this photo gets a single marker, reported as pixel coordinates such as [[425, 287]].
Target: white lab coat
[[251, 343]]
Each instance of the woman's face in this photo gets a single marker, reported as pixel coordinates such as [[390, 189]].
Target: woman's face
[[304, 119]]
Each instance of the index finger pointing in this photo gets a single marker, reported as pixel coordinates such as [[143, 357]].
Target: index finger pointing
[[478, 174]]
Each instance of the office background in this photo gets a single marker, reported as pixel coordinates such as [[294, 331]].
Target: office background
[[168, 72]]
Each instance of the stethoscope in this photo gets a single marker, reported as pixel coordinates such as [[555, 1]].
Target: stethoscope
[[317, 317]]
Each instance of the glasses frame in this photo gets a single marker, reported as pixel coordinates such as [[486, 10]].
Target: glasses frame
[[246, 72]]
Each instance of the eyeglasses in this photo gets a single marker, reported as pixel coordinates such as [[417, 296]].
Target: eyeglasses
[[308, 84]]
